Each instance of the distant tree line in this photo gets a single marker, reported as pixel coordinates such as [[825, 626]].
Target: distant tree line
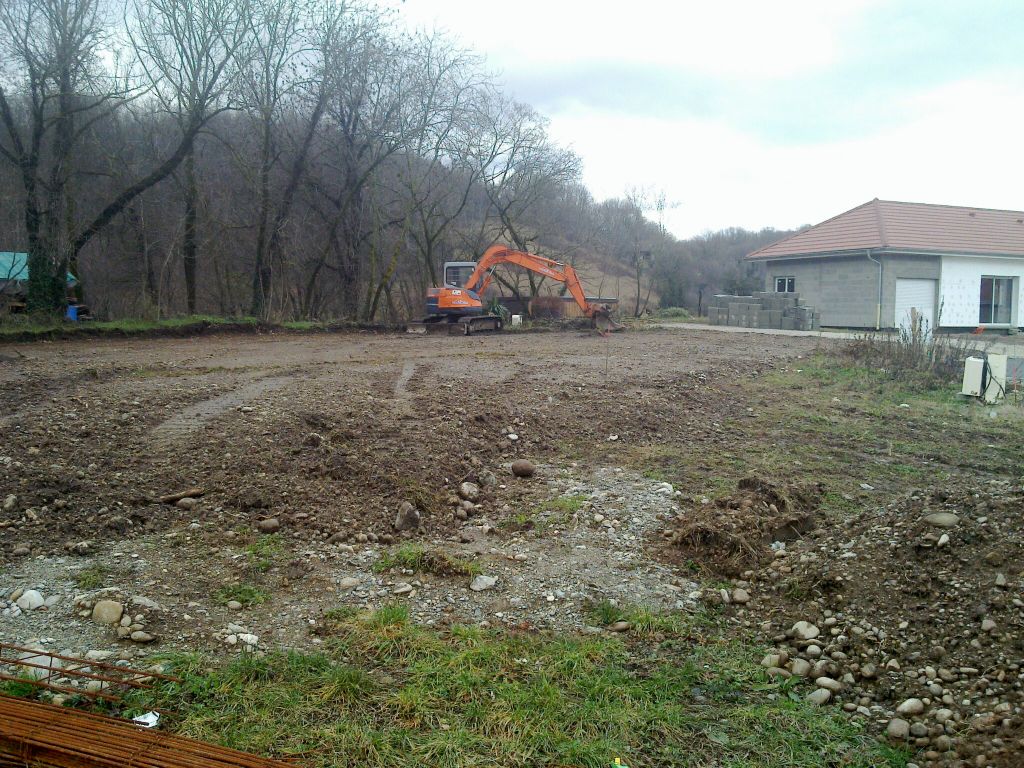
[[296, 159]]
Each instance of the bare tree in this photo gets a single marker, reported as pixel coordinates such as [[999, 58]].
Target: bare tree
[[188, 50]]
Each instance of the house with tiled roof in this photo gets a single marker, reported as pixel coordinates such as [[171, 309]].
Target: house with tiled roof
[[878, 264]]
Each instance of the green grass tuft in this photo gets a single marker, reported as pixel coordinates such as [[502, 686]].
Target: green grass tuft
[[246, 594], [91, 577], [413, 557]]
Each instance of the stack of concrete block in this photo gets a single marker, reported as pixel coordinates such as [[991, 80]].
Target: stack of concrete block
[[764, 310]]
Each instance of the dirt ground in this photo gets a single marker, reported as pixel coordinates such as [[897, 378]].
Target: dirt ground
[[299, 453], [325, 437]]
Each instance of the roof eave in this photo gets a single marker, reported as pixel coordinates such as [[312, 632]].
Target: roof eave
[[884, 251]]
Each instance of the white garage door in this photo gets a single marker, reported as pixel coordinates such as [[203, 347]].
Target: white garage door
[[915, 294]]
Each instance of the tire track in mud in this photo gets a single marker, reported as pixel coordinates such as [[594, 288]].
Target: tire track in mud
[[195, 416], [403, 398]]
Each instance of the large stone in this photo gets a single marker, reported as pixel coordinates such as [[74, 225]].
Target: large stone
[[898, 729], [942, 519], [38, 665], [523, 468], [138, 636], [481, 583], [107, 612], [29, 600], [910, 707], [740, 596], [469, 491], [820, 696], [269, 525], [828, 683], [408, 517], [800, 667], [804, 630]]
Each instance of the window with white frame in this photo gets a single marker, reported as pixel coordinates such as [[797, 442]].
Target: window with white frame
[[785, 284], [996, 304]]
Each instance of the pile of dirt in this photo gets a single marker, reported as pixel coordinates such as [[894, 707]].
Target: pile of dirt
[[914, 614], [734, 534]]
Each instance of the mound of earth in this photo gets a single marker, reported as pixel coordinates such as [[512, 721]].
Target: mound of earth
[[733, 534], [911, 617]]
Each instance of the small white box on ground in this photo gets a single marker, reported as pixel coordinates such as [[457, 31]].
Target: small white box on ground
[[995, 387], [517, 319], [974, 368]]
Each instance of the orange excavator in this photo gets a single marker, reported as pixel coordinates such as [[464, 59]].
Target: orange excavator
[[457, 308]]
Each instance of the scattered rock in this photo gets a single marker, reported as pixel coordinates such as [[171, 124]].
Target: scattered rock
[[347, 583], [269, 525], [800, 667], [234, 605], [469, 491], [107, 612], [804, 630], [402, 589], [829, 684], [523, 468], [138, 636], [408, 517], [481, 583], [740, 596], [619, 626], [898, 729], [30, 600], [942, 519], [910, 707], [187, 503], [21, 551], [820, 696]]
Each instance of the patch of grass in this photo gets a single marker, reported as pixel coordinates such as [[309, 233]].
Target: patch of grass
[[568, 505], [412, 557], [265, 551], [91, 577], [23, 689], [389, 694], [642, 620], [247, 594], [47, 324]]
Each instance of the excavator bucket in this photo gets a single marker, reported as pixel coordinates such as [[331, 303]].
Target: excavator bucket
[[604, 322]]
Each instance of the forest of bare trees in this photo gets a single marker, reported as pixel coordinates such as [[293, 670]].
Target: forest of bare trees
[[296, 159]]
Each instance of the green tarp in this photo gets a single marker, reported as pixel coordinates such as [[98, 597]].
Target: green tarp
[[14, 266]]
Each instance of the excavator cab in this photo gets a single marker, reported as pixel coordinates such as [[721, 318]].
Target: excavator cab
[[457, 273]]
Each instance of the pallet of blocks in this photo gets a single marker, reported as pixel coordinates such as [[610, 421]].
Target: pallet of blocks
[[763, 309]]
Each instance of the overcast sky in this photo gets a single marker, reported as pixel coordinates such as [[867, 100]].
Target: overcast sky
[[759, 114]]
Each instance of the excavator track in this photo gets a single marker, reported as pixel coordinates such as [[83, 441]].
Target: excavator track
[[478, 324], [463, 326]]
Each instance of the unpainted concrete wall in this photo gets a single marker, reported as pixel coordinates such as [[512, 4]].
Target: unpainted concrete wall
[[844, 289]]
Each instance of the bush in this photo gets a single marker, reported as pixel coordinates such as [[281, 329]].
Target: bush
[[915, 352]]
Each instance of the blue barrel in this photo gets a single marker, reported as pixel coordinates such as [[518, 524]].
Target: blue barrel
[[72, 313]]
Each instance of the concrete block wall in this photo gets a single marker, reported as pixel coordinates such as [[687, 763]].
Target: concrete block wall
[[845, 288]]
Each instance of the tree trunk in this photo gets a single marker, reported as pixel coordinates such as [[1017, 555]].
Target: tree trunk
[[261, 274], [189, 246]]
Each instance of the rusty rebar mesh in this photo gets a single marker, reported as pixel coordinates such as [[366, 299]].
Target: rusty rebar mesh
[[36, 734], [71, 675]]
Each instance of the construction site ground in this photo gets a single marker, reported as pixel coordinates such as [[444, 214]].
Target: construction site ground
[[755, 510]]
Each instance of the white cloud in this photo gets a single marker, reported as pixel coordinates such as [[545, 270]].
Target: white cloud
[[728, 38], [961, 148], [955, 143]]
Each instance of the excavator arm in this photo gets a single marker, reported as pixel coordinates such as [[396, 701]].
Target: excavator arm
[[563, 273]]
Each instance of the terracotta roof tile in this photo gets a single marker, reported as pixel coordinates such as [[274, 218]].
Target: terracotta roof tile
[[907, 226]]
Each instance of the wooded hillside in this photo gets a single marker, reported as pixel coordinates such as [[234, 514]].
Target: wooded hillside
[[296, 159]]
